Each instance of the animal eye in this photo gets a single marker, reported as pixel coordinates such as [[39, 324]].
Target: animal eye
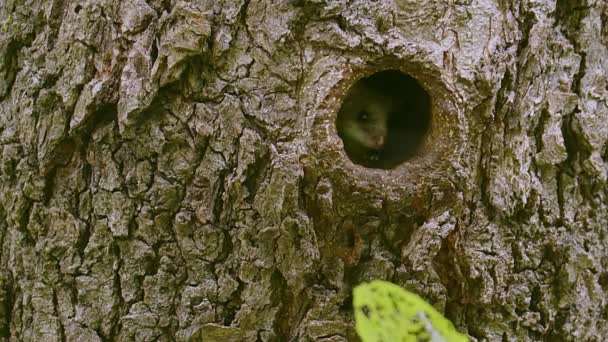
[[363, 116]]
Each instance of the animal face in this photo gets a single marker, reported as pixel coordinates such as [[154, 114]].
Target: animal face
[[368, 126], [364, 118], [384, 119]]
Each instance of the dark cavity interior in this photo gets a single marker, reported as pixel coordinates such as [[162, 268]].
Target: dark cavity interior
[[383, 119]]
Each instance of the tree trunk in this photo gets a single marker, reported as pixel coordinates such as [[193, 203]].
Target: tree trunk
[[171, 170]]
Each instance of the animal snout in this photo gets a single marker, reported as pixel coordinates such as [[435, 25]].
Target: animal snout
[[378, 142]]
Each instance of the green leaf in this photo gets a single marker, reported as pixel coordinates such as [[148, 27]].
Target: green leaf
[[387, 312]]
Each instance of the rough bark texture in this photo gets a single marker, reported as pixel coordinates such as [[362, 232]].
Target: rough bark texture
[[170, 170]]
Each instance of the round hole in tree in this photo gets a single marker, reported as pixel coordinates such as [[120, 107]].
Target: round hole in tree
[[384, 119]]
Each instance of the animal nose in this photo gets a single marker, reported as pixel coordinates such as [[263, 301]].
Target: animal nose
[[379, 142]]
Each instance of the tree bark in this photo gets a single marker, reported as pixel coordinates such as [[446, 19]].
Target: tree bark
[[170, 170]]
